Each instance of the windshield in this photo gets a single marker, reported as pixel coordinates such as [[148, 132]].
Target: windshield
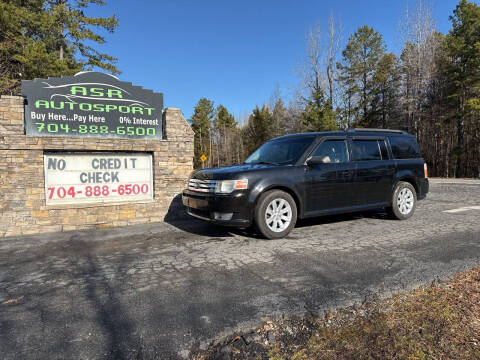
[[281, 152]]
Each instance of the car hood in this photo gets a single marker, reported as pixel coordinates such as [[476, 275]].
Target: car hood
[[230, 172]]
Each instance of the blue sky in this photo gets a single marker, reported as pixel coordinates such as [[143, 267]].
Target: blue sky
[[234, 52]]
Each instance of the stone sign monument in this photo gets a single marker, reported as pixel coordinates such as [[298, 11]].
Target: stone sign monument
[[89, 151]]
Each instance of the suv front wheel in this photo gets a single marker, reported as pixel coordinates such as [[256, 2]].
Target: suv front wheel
[[404, 201], [275, 214]]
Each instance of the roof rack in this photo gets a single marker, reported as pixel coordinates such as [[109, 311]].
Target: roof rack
[[375, 130]]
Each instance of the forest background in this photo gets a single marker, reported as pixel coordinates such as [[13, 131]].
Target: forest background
[[431, 89]]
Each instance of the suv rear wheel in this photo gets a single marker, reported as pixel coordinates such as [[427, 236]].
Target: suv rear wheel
[[404, 201], [275, 214]]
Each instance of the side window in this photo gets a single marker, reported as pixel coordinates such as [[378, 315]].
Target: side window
[[335, 150], [364, 150], [383, 149], [404, 147]]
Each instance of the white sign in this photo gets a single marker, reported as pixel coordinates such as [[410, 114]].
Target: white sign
[[97, 178]]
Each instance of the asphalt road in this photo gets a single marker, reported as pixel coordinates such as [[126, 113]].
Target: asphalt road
[[164, 290]]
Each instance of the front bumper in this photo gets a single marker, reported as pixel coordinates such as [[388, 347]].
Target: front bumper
[[217, 208]]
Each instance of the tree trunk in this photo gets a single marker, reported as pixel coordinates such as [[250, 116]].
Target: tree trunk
[[218, 151], [459, 164], [364, 96], [330, 85], [210, 155], [460, 125], [62, 39]]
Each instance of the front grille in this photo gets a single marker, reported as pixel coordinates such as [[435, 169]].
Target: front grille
[[202, 185]]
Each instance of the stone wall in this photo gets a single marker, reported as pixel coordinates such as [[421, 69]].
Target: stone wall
[[22, 194]]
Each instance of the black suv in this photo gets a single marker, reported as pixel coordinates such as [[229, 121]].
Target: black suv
[[312, 174]]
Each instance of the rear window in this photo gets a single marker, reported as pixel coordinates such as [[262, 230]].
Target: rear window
[[404, 147], [364, 150]]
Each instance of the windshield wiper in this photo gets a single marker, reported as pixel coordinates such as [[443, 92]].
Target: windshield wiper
[[264, 163]]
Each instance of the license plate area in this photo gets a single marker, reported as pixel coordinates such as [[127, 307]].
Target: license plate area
[[200, 204]]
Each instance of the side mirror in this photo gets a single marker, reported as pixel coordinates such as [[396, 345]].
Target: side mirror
[[316, 160]]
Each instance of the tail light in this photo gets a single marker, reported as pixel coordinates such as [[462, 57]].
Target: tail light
[[425, 169]]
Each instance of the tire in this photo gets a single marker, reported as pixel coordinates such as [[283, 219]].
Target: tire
[[285, 212], [404, 201]]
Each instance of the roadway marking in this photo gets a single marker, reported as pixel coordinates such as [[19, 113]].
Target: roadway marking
[[456, 183], [465, 208]]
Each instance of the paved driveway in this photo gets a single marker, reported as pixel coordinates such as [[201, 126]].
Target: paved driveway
[[163, 290]]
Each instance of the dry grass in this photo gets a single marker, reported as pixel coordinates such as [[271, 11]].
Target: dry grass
[[441, 321], [437, 322]]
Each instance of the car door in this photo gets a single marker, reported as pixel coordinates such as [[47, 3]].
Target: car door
[[328, 184], [374, 171]]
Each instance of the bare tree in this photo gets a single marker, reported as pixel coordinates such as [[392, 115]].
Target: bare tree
[[335, 30], [418, 59], [311, 70]]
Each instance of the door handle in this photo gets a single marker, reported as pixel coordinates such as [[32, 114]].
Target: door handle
[[347, 172]]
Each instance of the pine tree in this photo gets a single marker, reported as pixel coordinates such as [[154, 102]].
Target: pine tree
[[259, 128], [201, 122], [40, 38], [318, 114], [223, 119], [224, 129], [75, 30], [463, 72], [360, 58], [386, 83], [280, 118]]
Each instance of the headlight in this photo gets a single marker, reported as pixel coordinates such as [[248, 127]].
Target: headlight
[[227, 186]]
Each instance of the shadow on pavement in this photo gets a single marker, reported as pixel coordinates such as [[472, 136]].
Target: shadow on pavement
[[178, 217], [203, 228], [111, 316], [329, 219]]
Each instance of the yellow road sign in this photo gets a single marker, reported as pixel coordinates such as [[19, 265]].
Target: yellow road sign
[[203, 158]]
